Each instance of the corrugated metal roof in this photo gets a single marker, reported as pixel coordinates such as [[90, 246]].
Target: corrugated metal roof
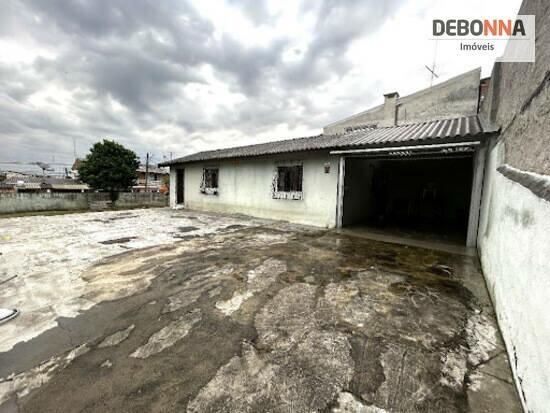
[[30, 185], [437, 131]]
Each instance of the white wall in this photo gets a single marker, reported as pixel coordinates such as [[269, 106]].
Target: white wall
[[514, 244], [245, 186]]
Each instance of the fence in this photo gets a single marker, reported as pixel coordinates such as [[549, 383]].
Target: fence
[[29, 202]]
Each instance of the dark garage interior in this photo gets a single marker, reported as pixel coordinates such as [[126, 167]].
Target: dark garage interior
[[417, 197]]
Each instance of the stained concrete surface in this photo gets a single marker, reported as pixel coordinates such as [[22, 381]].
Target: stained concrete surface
[[262, 316]]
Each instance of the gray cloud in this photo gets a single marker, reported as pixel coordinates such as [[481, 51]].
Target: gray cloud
[[144, 54]]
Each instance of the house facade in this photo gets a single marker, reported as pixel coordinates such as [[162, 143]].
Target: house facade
[[331, 180], [280, 186]]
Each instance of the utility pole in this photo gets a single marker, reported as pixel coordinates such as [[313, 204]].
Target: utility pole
[[146, 171]]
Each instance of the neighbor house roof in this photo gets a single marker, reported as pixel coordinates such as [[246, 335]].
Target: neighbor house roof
[[44, 182], [438, 131], [153, 169], [68, 186]]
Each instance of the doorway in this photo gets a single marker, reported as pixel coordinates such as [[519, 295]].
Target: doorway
[[418, 198], [180, 176]]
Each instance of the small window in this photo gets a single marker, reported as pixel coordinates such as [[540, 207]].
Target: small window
[[209, 181], [288, 183]]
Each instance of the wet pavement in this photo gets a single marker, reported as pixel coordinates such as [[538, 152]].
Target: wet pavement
[[211, 313]]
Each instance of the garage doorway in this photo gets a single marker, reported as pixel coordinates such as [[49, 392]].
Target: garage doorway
[[423, 198]]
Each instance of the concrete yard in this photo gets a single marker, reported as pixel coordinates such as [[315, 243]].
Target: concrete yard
[[170, 310]]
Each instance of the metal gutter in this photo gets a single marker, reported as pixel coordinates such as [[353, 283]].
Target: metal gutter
[[405, 148]]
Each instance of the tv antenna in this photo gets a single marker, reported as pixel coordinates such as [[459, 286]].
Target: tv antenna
[[44, 166], [432, 69]]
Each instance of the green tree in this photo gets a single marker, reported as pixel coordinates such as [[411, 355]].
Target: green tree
[[109, 167]]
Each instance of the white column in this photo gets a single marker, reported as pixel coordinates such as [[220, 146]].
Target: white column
[[340, 191], [475, 199], [173, 186]]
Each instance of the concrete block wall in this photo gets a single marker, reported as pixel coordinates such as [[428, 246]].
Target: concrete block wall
[[34, 202], [514, 236]]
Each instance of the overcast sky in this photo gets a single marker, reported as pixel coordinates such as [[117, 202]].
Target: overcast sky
[[182, 76]]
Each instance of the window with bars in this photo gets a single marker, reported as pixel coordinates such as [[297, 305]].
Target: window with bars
[[209, 183], [288, 182], [289, 178]]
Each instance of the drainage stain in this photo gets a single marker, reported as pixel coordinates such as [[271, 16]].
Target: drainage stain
[[118, 241], [236, 226], [187, 229]]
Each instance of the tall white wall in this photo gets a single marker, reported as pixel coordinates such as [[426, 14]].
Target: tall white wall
[[514, 244], [245, 186], [514, 232]]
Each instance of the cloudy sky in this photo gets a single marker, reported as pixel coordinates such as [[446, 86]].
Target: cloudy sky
[[177, 76]]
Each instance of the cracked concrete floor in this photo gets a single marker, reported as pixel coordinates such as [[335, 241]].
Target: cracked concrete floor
[[160, 311]]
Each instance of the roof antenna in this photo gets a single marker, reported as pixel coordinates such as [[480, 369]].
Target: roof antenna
[[432, 69]]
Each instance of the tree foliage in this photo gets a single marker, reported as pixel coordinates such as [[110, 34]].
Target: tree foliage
[[109, 167]]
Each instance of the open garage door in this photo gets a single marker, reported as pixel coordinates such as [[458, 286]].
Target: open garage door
[[424, 195]]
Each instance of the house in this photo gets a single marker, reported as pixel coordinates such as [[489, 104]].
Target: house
[[413, 162], [151, 179]]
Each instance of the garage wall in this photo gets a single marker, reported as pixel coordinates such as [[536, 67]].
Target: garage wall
[[514, 236], [245, 186]]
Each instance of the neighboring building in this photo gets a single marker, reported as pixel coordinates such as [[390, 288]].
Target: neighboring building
[[155, 177], [73, 173], [353, 173], [27, 183]]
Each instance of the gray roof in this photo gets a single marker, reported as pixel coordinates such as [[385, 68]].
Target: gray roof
[[433, 132], [38, 182], [153, 169], [41, 179]]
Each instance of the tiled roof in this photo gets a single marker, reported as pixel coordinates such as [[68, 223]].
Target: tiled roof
[[437, 131]]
